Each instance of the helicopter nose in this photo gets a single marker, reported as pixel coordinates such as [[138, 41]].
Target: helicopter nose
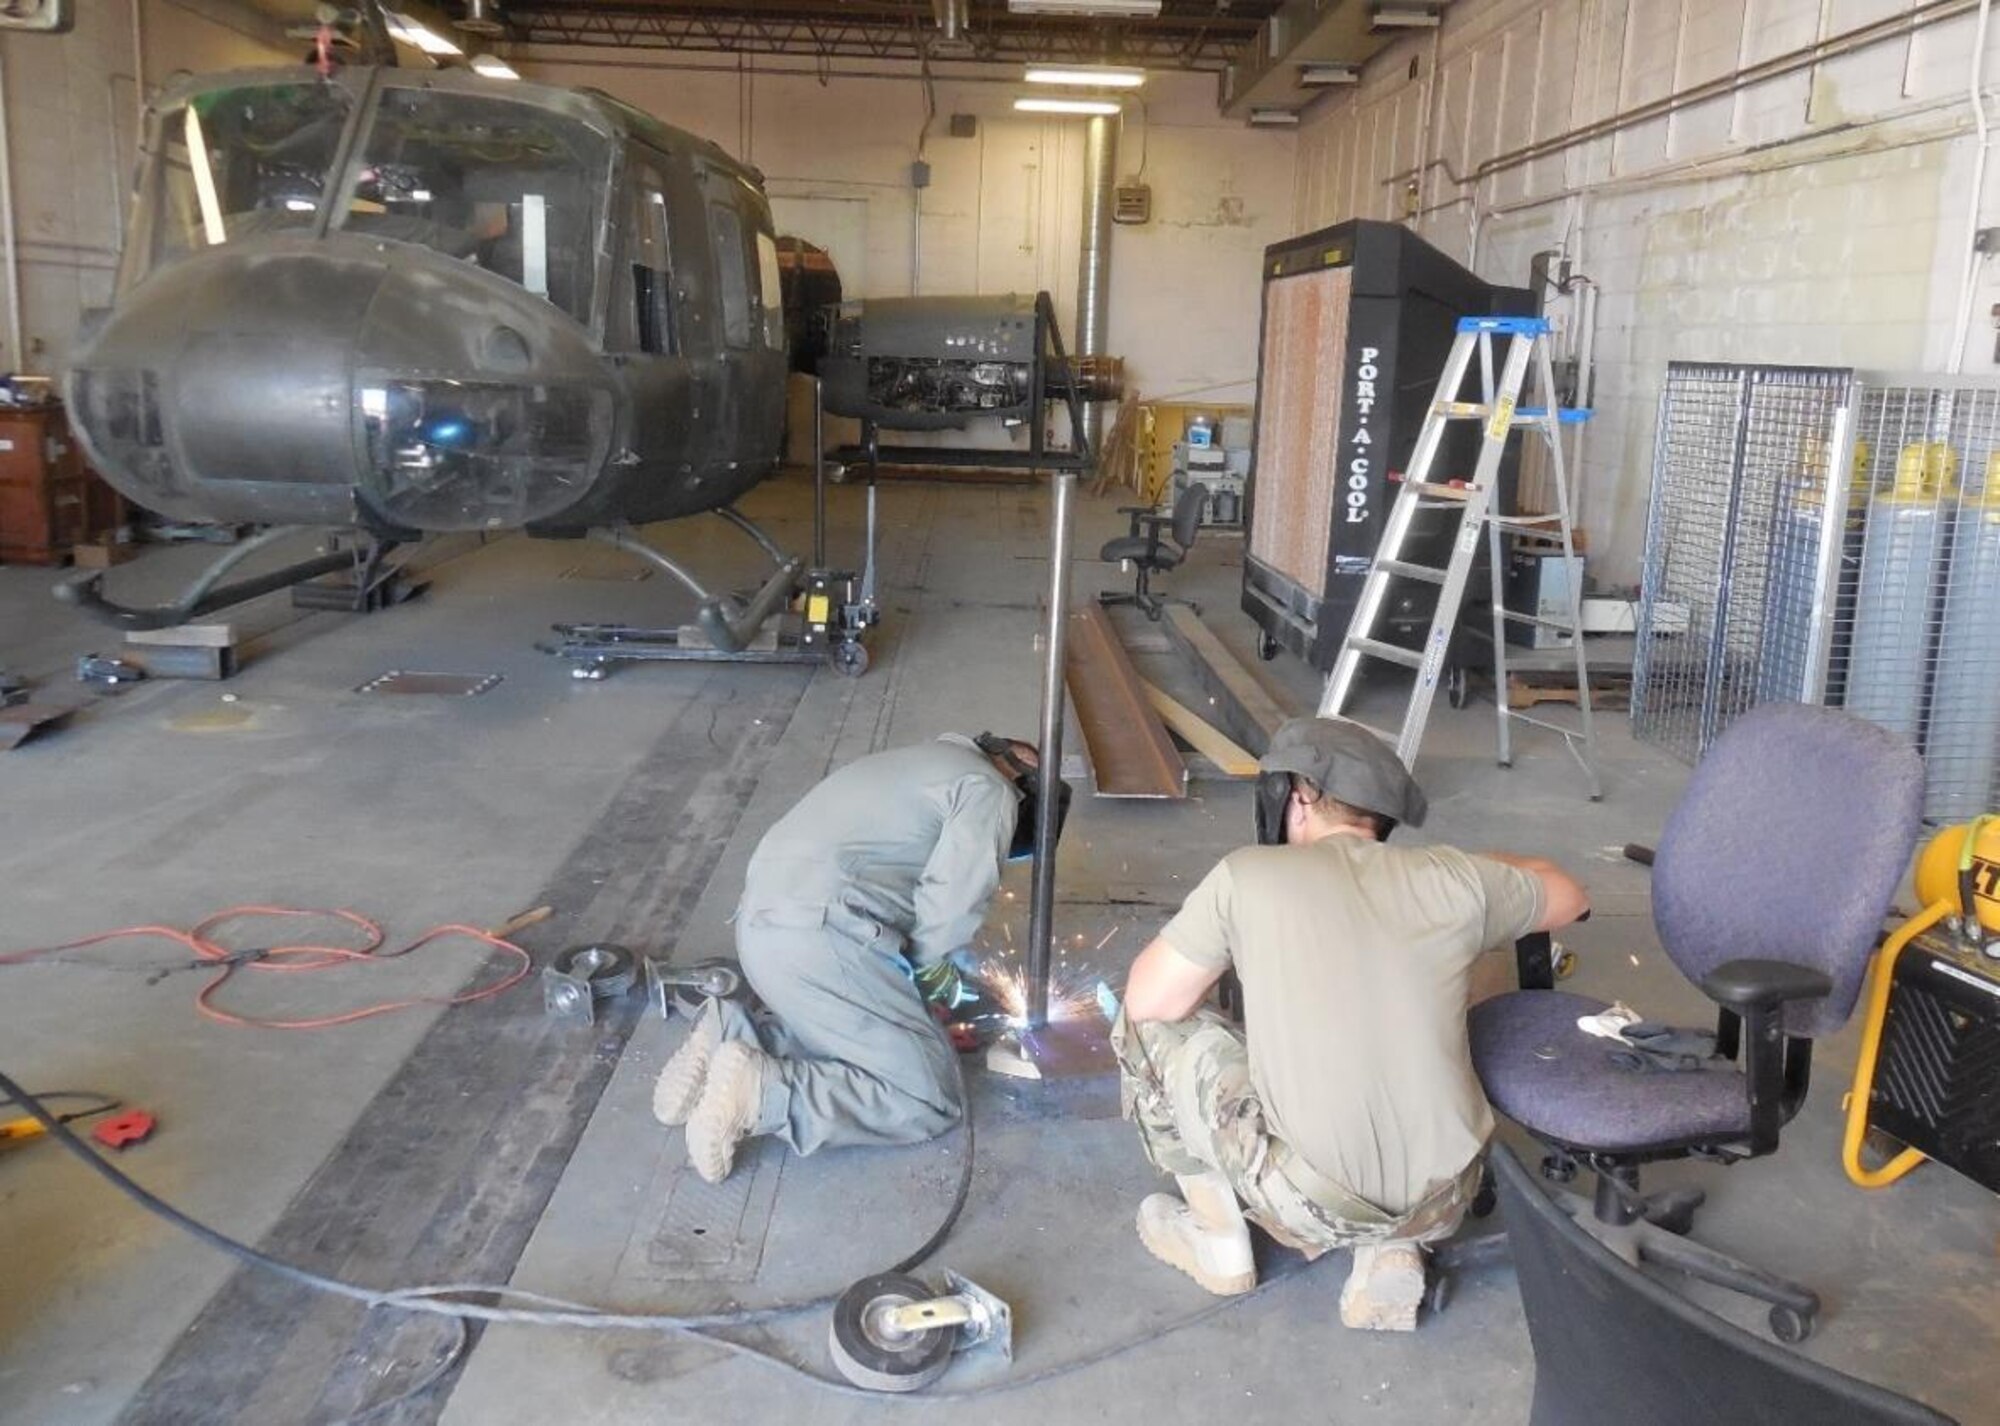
[[224, 393]]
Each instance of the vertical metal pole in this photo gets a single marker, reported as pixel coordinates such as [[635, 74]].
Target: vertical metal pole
[[819, 479], [1042, 897], [1093, 278]]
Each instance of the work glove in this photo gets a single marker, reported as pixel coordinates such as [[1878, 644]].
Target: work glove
[[942, 983]]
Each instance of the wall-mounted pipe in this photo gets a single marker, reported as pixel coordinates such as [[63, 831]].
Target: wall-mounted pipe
[[1093, 273], [1974, 194], [17, 357], [1805, 57]]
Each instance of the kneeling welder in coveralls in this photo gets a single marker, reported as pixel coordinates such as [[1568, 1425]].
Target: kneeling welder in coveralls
[[857, 911]]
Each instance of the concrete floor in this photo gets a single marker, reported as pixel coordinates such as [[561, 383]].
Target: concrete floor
[[481, 1143]]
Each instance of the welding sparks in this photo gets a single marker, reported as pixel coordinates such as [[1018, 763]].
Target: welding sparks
[[1071, 993]]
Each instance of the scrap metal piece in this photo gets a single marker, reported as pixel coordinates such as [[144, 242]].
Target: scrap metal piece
[[450, 685], [19, 721]]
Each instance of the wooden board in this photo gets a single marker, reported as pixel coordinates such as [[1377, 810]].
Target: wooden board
[[1204, 737], [1130, 752], [1245, 710]]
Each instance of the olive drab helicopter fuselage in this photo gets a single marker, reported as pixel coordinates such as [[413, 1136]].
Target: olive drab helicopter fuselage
[[411, 303]]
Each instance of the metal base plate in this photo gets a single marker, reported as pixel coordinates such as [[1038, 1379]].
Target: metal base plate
[[448, 685]]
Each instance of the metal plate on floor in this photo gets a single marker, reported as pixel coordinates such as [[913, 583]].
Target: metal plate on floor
[[707, 1232], [444, 685]]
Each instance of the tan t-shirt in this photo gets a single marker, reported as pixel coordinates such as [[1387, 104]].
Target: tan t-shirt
[[1355, 958]]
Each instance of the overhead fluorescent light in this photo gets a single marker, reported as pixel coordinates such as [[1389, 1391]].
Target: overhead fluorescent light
[[418, 36], [1274, 118], [493, 67], [1102, 76], [1035, 105], [1404, 17], [1111, 9], [1321, 75]]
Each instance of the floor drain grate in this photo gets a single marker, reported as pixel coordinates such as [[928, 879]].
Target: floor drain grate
[[448, 685]]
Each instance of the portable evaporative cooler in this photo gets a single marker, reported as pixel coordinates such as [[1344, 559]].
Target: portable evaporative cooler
[[1357, 322]]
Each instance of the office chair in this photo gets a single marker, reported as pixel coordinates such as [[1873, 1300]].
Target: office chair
[[1149, 553], [1613, 1345], [1769, 888]]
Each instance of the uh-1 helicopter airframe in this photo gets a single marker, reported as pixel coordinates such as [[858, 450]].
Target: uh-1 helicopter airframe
[[402, 303]]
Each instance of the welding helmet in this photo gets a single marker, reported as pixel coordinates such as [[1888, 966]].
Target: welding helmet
[[1029, 784], [1345, 762]]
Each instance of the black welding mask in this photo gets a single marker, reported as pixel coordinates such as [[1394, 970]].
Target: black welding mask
[[1029, 783], [1274, 789]]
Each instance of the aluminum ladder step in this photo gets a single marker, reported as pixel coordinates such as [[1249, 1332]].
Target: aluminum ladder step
[[1501, 384]]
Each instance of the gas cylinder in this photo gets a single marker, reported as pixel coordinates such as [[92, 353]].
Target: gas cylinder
[[1902, 562], [1962, 744], [1798, 526]]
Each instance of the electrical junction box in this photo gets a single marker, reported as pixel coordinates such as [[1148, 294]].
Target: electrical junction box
[[1132, 203]]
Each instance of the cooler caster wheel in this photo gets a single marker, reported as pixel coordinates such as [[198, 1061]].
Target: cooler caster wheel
[[1267, 647], [849, 660], [871, 1351], [589, 672], [1791, 1326], [1457, 691]]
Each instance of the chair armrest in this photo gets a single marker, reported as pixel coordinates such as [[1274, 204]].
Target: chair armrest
[[1777, 1067], [1147, 516], [1746, 985]]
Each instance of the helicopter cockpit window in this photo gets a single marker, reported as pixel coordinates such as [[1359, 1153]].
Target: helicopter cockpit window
[[732, 271], [510, 186], [771, 291], [231, 163]]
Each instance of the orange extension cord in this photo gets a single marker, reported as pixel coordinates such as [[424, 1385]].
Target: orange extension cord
[[297, 958]]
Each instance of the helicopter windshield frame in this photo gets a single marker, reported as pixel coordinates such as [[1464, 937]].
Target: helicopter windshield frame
[[512, 178], [418, 158]]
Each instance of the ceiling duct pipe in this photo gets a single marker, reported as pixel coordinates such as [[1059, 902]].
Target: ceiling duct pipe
[[1093, 275], [950, 15], [482, 17]]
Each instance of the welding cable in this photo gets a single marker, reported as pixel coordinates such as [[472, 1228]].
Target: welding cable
[[450, 1300], [200, 942]]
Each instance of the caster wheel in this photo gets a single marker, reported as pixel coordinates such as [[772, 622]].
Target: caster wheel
[[1457, 691], [691, 1002], [589, 672], [1791, 1326], [1557, 1170], [849, 660], [870, 1352], [1267, 647]]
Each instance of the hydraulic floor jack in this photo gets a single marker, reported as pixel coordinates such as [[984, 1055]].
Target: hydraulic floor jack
[[814, 615]]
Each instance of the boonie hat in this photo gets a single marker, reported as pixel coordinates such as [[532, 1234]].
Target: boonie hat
[[1349, 764]]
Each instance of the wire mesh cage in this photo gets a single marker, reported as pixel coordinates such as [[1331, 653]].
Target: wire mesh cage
[[1733, 545], [1827, 536], [1922, 628]]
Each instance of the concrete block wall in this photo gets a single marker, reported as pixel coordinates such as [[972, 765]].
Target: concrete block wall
[[1817, 216], [72, 109]]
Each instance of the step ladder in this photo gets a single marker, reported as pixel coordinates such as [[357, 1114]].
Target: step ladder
[[1471, 501]]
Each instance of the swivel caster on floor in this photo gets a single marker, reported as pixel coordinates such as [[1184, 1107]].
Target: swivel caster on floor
[[892, 1332]]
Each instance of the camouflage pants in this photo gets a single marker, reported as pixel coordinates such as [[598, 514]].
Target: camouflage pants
[[1186, 1084]]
